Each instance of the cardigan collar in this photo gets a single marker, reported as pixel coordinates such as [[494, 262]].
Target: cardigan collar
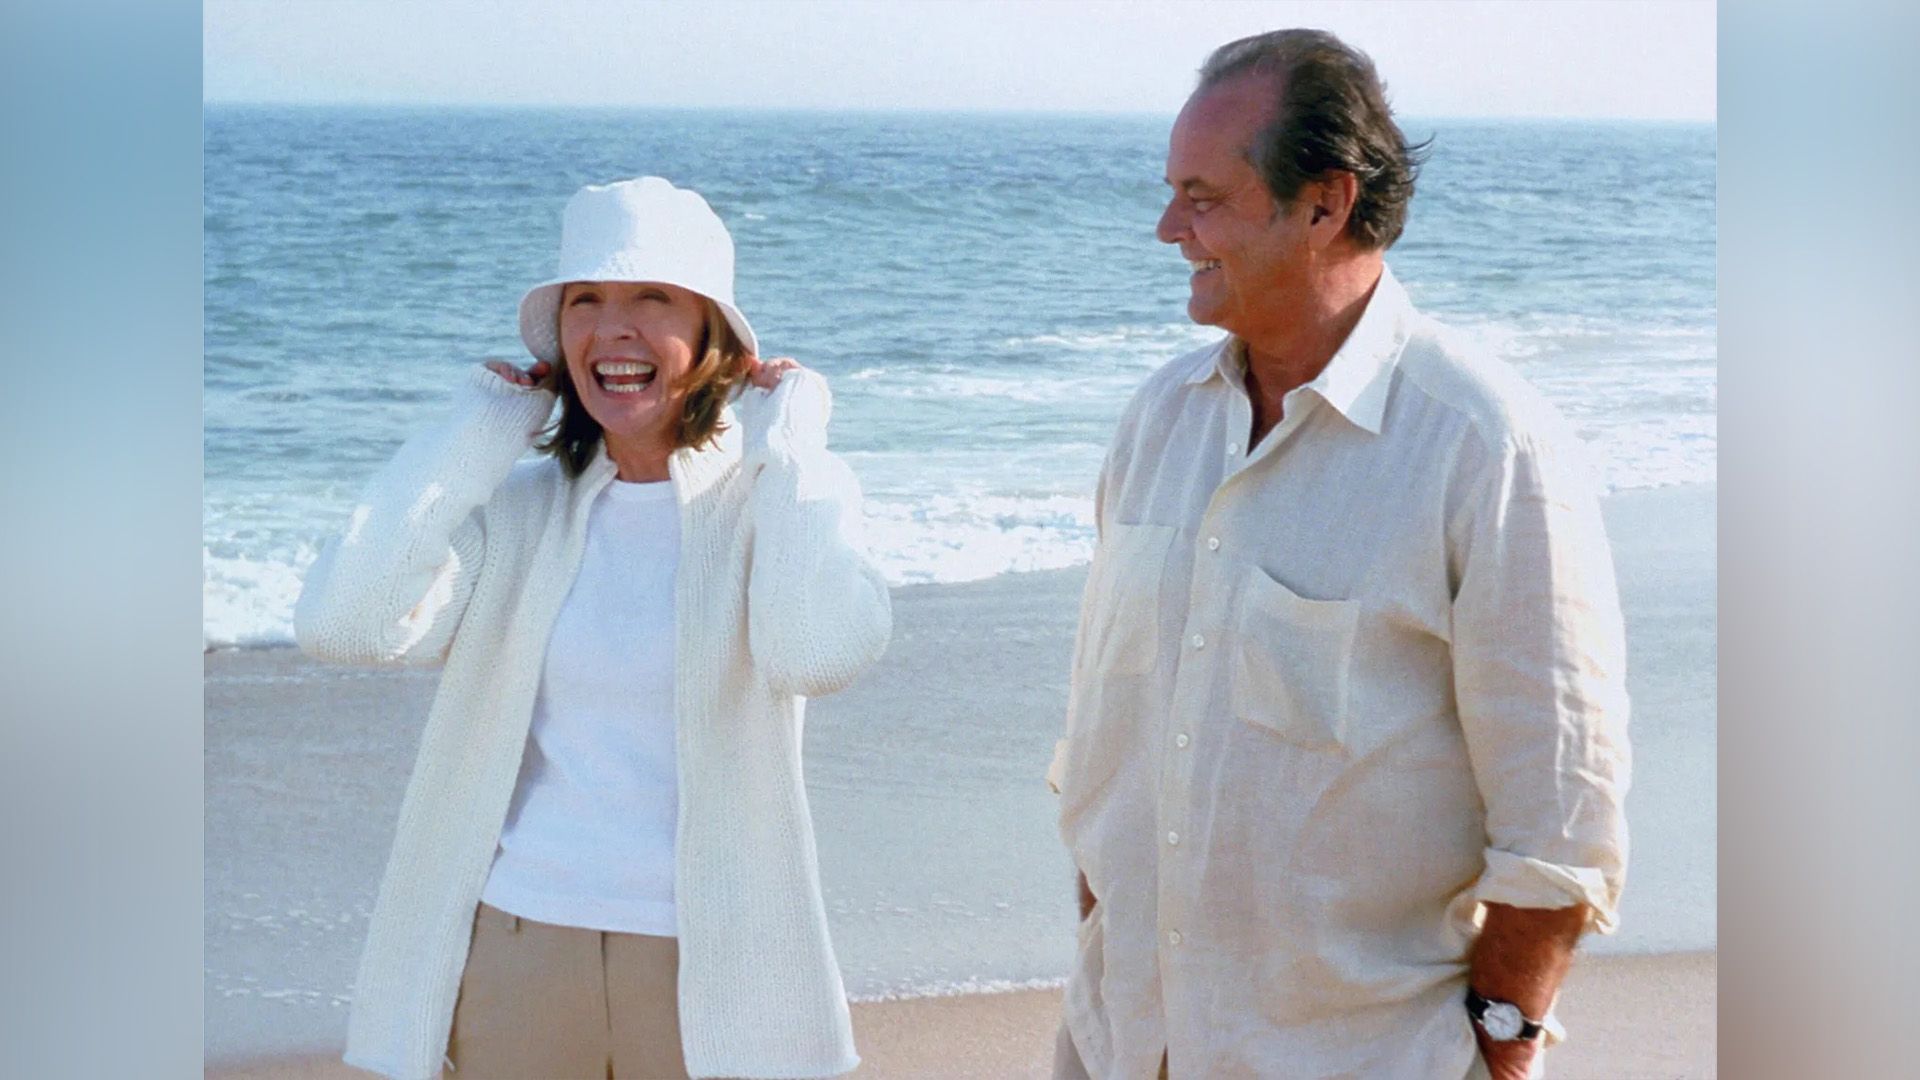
[[692, 471], [695, 471]]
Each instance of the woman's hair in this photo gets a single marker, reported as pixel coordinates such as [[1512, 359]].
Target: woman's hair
[[719, 368]]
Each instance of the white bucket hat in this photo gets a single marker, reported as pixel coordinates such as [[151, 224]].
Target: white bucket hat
[[635, 230]]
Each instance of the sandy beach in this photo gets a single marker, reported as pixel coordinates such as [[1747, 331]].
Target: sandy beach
[[943, 873], [1608, 1006]]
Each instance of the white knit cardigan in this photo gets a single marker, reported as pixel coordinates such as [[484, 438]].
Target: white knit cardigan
[[460, 552]]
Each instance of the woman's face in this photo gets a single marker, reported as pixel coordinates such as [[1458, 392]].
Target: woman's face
[[628, 347]]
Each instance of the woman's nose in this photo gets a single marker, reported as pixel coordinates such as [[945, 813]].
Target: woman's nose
[[617, 321]]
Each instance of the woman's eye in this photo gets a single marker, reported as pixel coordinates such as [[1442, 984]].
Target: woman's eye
[[581, 298]]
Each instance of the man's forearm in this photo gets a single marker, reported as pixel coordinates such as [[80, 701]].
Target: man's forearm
[[1522, 954]]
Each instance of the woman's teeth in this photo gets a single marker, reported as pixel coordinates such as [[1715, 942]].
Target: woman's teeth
[[623, 376], [1203, 265]]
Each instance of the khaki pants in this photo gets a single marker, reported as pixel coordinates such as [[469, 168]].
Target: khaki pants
[[562, 1003]]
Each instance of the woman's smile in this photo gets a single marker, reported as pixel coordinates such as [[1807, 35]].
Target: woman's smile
[[623, 376]]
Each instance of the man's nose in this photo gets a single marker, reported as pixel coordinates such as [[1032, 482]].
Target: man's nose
[[1173, 223]]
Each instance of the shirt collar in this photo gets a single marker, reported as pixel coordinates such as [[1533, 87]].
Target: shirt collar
[[1358, 377], [694, 471]]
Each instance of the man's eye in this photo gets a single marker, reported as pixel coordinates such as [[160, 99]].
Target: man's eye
[[1201, 206]]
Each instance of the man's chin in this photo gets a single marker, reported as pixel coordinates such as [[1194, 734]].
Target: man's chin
[[1204, 312]]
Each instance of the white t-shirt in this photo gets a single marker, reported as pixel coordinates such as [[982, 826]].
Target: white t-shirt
[[589, 836]]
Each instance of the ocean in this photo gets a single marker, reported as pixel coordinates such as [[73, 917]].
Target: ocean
[[982, 292]]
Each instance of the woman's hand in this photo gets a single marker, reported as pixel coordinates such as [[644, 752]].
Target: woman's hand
[[766, 374], [800, 422], [539, 376]]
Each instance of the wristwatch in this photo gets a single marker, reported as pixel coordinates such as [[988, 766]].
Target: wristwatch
[[1502, 1020]]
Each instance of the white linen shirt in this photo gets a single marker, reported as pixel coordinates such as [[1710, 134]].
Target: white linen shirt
[[1328, 697]]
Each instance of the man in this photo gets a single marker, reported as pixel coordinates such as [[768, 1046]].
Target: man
[[1346, 742]]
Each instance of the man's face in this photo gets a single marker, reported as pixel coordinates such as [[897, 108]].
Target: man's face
[[1249, 257]]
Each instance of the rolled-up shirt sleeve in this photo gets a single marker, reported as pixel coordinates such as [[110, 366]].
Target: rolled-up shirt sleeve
[[1539, 661]]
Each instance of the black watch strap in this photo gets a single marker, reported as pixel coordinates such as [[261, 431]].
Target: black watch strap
[[1530, 1029]]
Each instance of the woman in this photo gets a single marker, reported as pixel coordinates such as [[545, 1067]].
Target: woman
[[607, 802]]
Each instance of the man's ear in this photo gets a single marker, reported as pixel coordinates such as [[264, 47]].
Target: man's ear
[[1332, 198]]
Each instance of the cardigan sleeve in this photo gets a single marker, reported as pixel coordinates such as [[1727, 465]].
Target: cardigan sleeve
[[392, 587], [818, 610]]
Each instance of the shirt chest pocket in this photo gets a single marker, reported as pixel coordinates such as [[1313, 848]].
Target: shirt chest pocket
[[1132, 567], [1292, 662]]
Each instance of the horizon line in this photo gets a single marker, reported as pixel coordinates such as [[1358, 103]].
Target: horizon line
[[871, 110]]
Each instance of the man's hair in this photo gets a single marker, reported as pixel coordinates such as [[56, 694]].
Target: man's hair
[[720, 367], [1331, 114]]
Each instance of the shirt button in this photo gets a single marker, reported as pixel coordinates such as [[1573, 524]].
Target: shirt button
[[1199, 641], [1233, 448], [1180, 740], [1213, 543], [1173, 937], [1173, 838]]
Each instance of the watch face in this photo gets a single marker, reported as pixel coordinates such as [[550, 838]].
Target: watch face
[[1502, 1020]]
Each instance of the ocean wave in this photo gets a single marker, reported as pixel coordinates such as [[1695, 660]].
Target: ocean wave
[[1022, 387], [950, 539], [1168, 340], [1643, 393], [1662, 452], [959, 988], [1520, 340], [248, 598], [247, 601]]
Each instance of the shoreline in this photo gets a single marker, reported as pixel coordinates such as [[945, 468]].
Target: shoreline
[[1609, 1005]]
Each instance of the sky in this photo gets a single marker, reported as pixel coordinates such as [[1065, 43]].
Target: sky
[[1514, 58]]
